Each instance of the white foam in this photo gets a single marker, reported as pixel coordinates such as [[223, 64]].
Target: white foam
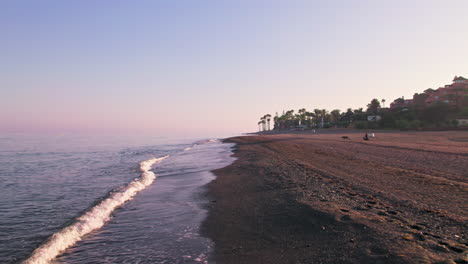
[[206, 141], [93, 219]]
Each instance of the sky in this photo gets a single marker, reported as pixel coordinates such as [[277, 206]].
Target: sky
[[215, 67]]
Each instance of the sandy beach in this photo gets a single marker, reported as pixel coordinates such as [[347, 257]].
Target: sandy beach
[[318, 198]]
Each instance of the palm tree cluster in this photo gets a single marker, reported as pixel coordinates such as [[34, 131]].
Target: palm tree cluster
[[414, 116], [264, 123], [318, 118]]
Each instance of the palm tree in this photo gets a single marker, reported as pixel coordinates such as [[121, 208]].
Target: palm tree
[[259, 129], [383, 103], [359, 110], [373, 107], [268, 118], [317, 113], [335, 115], [359, 114], [348, 116], [289, 114], [279, 123], [289, 118], [301, 115], [262, 122], [310, 117], [324, 116]]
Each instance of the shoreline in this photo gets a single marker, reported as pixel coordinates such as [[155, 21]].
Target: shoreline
[[301, 198]]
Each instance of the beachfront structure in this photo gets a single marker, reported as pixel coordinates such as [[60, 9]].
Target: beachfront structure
[[460, 79], [374, 118], [454, 94], [462, 122], [401, 103]]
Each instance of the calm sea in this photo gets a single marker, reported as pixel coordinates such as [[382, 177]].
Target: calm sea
[[82, 199]]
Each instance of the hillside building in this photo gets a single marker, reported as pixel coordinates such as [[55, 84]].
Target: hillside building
[[454, 94]]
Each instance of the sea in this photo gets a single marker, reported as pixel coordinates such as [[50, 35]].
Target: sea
[[106, 199]]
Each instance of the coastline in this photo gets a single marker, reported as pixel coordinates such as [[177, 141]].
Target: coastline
[[320, 199]]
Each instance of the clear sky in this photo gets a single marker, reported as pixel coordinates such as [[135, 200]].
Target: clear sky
[[214, 67]]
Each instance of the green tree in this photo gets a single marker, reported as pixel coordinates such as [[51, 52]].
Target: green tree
[[263, 122], [373, 107], [310, 117], [301, 115], [276, 121], [359, 114], [268, 118], [289, 118], [335, 115], [402, 124], [348, 116], [324, 117], [436, 114]]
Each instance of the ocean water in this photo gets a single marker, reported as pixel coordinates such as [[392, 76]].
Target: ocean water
[[78, 199]]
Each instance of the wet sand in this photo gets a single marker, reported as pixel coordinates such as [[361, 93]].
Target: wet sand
[[318, 198]]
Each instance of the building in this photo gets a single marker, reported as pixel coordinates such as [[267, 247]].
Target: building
[[452, 94], [455, 94], [374, 118], [460, 79], [462, 122], [401, 103]]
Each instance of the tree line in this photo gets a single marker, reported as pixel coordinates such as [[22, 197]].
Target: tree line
[[416, 116]]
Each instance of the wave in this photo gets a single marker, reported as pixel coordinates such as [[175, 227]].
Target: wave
[[93, 219], [206, 141], [201, 142]]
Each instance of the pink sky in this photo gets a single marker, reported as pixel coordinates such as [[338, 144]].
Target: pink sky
[[215, 68]]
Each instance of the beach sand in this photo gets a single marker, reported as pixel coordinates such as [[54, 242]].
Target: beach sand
[[318, 198]]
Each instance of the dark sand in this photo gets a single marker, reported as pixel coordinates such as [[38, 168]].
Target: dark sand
[[317, 198]]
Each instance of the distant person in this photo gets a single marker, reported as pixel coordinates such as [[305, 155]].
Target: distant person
[[366, 137]]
